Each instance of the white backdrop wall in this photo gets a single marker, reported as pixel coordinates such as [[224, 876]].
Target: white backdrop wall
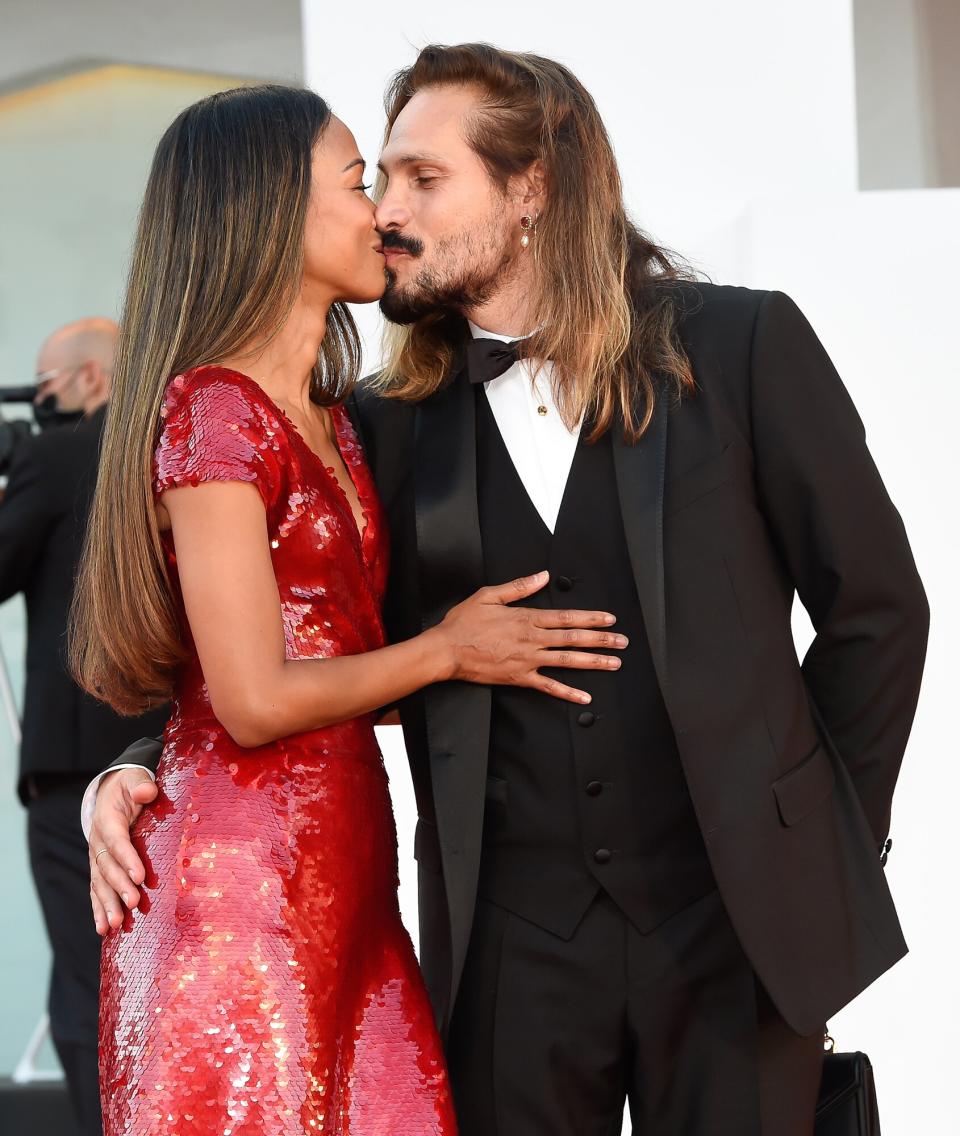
[[735, 127], [710, 106]]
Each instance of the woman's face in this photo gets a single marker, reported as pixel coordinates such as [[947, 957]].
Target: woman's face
[[342, 251]]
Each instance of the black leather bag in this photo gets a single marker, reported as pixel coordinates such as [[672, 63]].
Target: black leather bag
[[848, 1097]]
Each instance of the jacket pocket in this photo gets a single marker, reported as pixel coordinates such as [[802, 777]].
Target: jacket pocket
[[805, 786]]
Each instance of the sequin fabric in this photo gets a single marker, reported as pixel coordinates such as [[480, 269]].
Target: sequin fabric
[[267, 986]]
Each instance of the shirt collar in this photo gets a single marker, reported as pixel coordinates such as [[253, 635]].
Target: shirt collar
[[482, 333]]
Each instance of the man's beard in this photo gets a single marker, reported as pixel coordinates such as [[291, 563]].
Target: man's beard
[[465, 286]]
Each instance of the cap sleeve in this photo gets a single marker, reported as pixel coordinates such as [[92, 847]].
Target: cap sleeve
[[217, 428]]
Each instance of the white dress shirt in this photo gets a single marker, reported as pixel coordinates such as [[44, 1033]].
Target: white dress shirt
[[540, 447], [537, 440]]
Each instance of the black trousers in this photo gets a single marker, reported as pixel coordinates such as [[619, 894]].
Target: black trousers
[[551, 1037], [61, 874]]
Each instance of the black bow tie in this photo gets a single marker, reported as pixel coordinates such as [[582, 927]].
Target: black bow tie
[[489, 358]]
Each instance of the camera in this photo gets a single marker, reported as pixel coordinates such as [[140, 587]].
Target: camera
[[45, 416]]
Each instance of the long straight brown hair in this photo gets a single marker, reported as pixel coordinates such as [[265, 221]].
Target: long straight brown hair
[[604, 303], [216, 266]]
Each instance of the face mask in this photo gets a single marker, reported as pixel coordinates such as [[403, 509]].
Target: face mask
[[47, 414]]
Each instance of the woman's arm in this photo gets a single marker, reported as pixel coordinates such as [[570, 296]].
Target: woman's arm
[[233, 607]]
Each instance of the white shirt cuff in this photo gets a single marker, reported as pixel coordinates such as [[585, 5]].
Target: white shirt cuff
[[89, 802]]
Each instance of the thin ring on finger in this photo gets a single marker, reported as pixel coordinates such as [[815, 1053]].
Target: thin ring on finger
[[99, 854]]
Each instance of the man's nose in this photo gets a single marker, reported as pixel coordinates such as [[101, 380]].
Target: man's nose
[[391, 212]]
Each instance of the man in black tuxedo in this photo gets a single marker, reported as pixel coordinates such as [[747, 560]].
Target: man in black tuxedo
[[661, 897], [66, 734]]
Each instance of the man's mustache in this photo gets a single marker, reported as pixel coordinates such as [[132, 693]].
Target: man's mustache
[[410, 245]]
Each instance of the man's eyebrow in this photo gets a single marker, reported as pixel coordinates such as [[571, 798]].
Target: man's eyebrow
[[410, 160], [355, 162]]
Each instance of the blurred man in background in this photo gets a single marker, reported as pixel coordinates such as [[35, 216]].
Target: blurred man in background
[[67, 735]]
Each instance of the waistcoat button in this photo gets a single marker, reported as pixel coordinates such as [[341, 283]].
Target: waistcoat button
[[564, 583], [603, 855], [586, 718], [594, 788]]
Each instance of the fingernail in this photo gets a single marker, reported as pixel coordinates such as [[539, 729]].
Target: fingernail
[[608, 618], [622, 641], [130, 873], [584, 697], [125, 896]]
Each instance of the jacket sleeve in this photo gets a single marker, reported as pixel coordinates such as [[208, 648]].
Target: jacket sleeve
[[143, 754], [845, 548], [26, 514]]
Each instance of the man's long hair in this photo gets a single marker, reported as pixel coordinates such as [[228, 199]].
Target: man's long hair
[[217, 265], [604, 304]]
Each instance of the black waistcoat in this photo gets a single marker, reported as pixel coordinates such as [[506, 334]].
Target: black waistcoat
[[580, 799]]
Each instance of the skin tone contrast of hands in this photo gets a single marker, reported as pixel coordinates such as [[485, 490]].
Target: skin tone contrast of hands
[[227, 579]]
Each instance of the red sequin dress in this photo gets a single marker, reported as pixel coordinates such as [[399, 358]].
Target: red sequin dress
[[267, 987]]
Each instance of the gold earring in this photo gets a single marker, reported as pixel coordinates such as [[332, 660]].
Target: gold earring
[[529, 226]]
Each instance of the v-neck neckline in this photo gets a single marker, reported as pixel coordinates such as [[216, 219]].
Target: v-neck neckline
[[359, 525], [360, 530]]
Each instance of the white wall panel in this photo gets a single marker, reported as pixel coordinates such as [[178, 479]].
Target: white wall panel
[[709, 106]]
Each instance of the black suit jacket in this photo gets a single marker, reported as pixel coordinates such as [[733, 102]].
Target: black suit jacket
[[42, 524], [757, 488]]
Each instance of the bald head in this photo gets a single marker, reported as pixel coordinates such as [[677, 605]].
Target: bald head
[[78, 360]]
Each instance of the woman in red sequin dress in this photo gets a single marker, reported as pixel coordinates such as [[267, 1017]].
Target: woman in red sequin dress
[[267, 984], [262, 982]]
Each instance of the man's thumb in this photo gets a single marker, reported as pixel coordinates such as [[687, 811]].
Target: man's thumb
[[144, 791]]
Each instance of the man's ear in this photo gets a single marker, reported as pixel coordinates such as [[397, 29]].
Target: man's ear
[[530, 187], [88, 376], [93, 380]]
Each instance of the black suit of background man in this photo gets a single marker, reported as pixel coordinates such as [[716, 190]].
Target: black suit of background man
[[663, 898], [66, 734]]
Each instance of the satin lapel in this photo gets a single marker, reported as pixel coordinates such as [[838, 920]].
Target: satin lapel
[[353, 413], [640, 472], [458, 714]]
